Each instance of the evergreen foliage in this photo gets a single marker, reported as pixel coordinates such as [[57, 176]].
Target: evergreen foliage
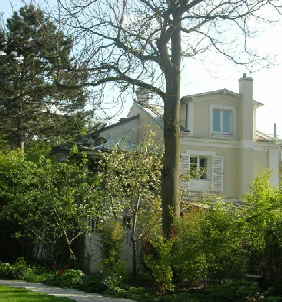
[[34, 56]]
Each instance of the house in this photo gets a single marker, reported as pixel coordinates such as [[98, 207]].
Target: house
[[222, 152]]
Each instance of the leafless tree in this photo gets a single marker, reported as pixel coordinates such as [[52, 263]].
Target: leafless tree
[[140, 43]]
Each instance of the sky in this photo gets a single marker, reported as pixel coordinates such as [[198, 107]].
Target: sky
[[216, 73]]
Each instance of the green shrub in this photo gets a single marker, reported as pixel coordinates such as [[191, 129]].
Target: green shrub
[[140, 294], [65, 194], [94, 283], [263, 219], [67, 278], [33, 275], [113, 282], [72, 277], [113, 268], [160, 264], [209, 245], [20, 268], [189, 257], [182, 297], [6, 271], [112, 235], [235, 291], [223, 238], [273, 299]]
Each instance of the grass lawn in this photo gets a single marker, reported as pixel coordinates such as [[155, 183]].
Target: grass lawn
[[11, 294]]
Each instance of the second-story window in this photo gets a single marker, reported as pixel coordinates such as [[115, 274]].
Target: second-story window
[[222, 121]]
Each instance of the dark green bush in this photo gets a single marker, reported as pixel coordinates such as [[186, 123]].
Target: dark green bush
[[67, 278], [273, 299], [6, 271], [94, 283], [20, 268]]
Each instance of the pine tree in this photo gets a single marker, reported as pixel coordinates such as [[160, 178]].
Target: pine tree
[[35, 55]]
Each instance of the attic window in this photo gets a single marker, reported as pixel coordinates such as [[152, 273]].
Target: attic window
[[222, 121]]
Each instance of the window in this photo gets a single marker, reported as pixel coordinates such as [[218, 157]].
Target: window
[[188, 116], [198, 167], [222, 121]]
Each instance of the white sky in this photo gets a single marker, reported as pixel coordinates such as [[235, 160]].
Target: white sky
[[216, 74]]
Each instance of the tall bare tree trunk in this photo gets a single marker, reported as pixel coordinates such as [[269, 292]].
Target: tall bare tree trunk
[[170, 200]]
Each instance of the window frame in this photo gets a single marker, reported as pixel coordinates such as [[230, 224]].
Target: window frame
[[198, 167], [221, 109], [188, 119]]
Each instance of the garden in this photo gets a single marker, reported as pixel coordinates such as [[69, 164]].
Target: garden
[[219, 251]]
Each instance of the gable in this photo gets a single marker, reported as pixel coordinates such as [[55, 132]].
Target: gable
[[123, 134]]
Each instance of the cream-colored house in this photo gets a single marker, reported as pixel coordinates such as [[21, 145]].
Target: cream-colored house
[[219, 140]]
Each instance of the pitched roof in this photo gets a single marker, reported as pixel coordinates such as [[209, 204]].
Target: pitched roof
[[219, 91], [223, 91], [118, 141], [263, 137], [121, 121]]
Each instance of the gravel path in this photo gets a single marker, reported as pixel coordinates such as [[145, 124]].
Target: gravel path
[[73, 294]]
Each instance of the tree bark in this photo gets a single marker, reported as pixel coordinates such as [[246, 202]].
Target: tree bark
[[170, 200]]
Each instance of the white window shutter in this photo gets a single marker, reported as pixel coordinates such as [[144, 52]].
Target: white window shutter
[[217, 173], [184, 171], [184, 163]]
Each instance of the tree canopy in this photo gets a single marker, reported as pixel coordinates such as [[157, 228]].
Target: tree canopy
[[34, 55], [140, 43]]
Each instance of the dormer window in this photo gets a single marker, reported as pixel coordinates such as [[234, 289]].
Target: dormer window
[[222, 121]]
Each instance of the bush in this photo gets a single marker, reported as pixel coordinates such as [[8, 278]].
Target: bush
[[65, 194], [94, 283], [20, 268], [223, 245], [35, 275], [159, 262], [67, 278], [113, 282], [208, 247], [6, 271], [235, 291], [263, 219]]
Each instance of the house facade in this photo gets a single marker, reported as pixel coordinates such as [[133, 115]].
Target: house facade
[[221, 150]]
